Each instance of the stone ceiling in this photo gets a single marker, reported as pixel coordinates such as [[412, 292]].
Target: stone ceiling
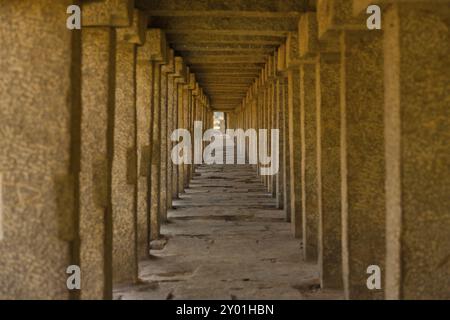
[[225, 42]]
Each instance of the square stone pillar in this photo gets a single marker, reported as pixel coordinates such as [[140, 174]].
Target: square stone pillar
[[283, 121], [274, 124], [328, 148], [417, 122], [158, 47], [124, 165], [362, 146], [39, 158], [309, 163], [97, 127], [295, 151], [180, 71], [166, 70], [144, 87], [183, 102], [190, 123], [171, 73]]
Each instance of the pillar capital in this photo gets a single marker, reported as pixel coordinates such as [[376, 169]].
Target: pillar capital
[[337, 15], [196, 90], [180, 70], [134, 33], [360, 6], [281, 59], [158, 45], [169, 67], [309, 43], [186, 80], [154, 48], [192, 82], [272, 66], [107, 13], [292, 51]]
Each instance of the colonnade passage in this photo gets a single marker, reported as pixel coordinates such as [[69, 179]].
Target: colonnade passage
[[93, 207]]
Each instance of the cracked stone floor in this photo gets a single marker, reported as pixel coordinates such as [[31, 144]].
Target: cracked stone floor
[[226, 240]]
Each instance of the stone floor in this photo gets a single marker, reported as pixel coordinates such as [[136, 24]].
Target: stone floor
[[226, 240]]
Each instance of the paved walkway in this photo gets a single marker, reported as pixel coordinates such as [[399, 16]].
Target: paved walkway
[[226, 240]]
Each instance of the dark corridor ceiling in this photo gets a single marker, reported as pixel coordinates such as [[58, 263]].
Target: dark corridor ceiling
[[226, 42]]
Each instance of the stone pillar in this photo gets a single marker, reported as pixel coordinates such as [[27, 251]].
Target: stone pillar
[[155, 174], [181, 124], [39, 158], [98, 101], [265, 101], [144, 87], [295, 152], [165, 71], [258, 100], [273, 121], [328, 148], [279, 121], [180, 70], [362, 146], [283, 196], [190, 124], [124, 165], [417, 122], [310, 140], [159, 57], [171, 125]]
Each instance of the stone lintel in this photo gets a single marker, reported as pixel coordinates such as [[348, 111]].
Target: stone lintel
[[107, 13], [360, 6]]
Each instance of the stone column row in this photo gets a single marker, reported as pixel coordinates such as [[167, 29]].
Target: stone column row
[[364, 153], [364, 172], [262, 109], [86, 178]]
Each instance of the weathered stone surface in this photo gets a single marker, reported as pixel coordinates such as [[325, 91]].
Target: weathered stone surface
[[124, 166], [362, 160], [107, 13], [135, 33], [417, 151], [328, 99], [364, 149], [200, 260], [37, 170], [310, 161], [279, 124], [144, 101], [98, 48], [336, 15], [171, 76], [295, 150], [163, 172], [155, 180]]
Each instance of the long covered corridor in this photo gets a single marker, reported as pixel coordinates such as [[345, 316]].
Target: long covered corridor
[[110, 181]]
